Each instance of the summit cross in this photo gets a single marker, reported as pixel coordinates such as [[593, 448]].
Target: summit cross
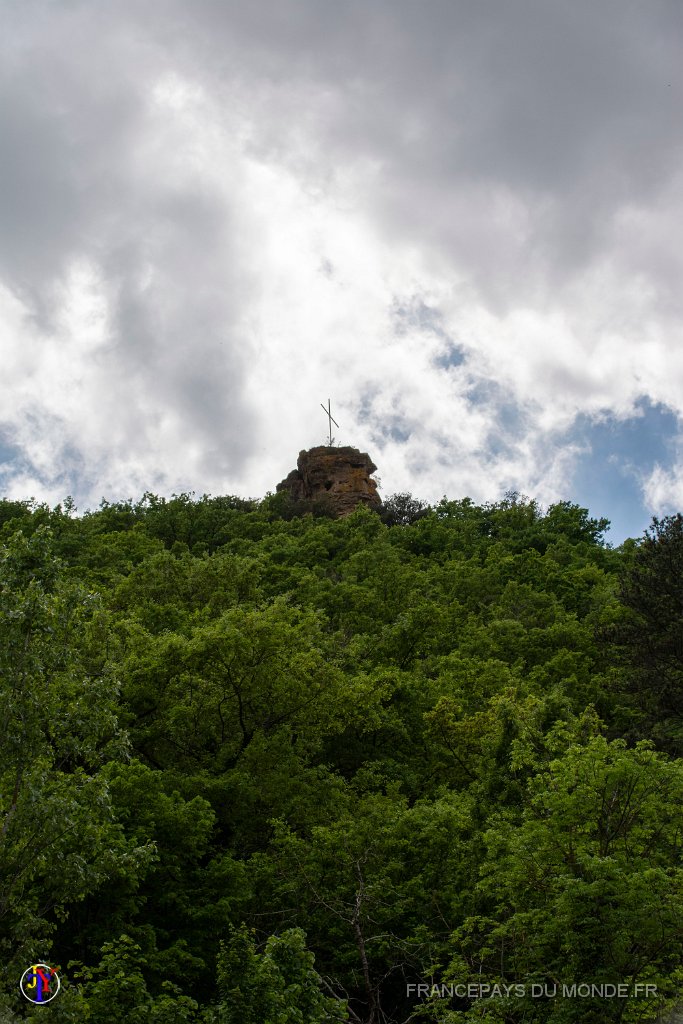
[[330, 418]]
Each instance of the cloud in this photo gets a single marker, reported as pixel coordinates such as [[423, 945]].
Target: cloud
[[458, 225]]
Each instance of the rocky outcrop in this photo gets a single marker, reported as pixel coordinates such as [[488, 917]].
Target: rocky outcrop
[[337, 479]]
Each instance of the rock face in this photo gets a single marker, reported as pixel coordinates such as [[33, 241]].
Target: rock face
[[338, 478]]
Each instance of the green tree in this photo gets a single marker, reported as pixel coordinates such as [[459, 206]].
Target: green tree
[[278, 986], [116, 990], [58, 836], [648, 638], [586, 886], [380, 887], [402, 509]]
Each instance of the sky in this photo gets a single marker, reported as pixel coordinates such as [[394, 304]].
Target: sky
[[459, 220]]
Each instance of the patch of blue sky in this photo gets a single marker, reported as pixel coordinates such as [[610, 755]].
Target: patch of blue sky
[[399, 432], [619, 455], [510, 424], [393, 429], [7, 454], [70, 475], [415, 314], [489, 393], [11, 461], [365, 409], [453, 355], [510, 427], [74, 477]]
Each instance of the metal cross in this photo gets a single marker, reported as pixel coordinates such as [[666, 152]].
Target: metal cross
[[330, 418]]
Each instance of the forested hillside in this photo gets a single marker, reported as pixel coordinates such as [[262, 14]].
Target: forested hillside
[[264, 768]]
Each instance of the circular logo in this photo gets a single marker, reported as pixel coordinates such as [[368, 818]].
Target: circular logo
[[39, 983]]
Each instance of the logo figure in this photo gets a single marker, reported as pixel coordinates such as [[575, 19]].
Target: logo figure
[[39, 983]]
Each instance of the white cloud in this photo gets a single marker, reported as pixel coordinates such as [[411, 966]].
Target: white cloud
[[664, 490]]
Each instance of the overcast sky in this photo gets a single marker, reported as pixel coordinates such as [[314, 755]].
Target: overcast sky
[[460, 220]]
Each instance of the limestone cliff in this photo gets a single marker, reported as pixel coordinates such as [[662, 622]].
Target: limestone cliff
[[339, 478]]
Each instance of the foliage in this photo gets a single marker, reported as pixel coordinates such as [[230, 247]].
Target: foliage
[[584, 883], [59, 839], [402, 509], [260, 764], [278, 986], [647, 639]]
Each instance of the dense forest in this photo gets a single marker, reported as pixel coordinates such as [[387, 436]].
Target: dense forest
[[263, 766]]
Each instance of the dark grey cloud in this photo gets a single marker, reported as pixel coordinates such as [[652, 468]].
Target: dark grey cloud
[[76, 183], [508, 135]]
